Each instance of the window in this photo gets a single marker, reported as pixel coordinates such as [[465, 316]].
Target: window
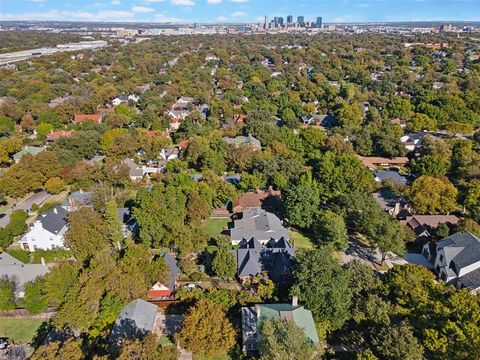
[[441, 258], [51, 239]]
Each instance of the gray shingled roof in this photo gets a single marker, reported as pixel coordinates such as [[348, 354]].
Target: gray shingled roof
[[259, 224], [173, 269], [471, 280], [461, 250], [383, 175], [135, 321], [55, 220], [18, 272], [254, 258]]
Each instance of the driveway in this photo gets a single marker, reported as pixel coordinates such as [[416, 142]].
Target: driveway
[[25, 204]]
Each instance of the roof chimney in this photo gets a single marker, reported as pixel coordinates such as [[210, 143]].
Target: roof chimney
[[295, 300]]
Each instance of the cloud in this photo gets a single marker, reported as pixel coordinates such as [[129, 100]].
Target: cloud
[[214, 1], [37, 1], [222, 18], [238, 14], [240, 1], [142, 9], [153, 1], [56, 15], [115, 2], [183, 2], [163, 18]]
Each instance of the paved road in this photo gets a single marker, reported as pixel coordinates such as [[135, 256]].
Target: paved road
[[25, 204]]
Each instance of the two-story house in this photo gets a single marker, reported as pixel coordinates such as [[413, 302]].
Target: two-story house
[[456, 259], [47, 232]]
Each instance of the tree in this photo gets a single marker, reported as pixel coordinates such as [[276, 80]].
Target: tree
[[323, 286], [421, 122], [58, 281], [399, 107], [7, 125], [397, 342], [301, 202], [289, 118], [35, 299], [206, 330], [349, 115], [282, 339], [329, 228], [431, 195], [7, 295], [114, 224], [147, 349], [70, 349], [87, 233], [224, 264], [55, 185]]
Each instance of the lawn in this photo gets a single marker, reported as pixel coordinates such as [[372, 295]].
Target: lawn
[[300, 241], [213, 227], [19, 330]]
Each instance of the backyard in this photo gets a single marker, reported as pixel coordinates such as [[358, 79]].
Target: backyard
[[19, 330]]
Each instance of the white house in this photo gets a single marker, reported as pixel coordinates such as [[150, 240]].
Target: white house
[[47, 232], [456, 259], [123, 99]]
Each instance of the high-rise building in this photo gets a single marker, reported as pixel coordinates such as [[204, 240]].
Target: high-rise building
[[301, 21], [280, 21], [318, 24], [265, 24], [276, 21], [289, 19]]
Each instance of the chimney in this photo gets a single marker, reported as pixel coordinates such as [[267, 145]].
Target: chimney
[[257, 310], [43, 261], [295, 301]]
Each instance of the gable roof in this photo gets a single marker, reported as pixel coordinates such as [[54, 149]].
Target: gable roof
[[135, 321], [18, 272], [461, 250], [298, 314], [383, 175], [55, 135], [54, 220], [33, 150], [259, 198], [82, 117], [259, 224], [173, 269]]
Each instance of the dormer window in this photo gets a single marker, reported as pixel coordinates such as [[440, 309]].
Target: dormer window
[[441, 258]]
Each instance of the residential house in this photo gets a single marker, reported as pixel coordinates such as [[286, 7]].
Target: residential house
[[138, 172], [263, 226], [79, 118], [275, 258], [456, 259], [135, 321], [424, 225], [374, 162], [123, 99], [32, 150], [394, 176], [20, 273], [395, 205], [55, 135], [244, 140], [269, 200], [129, 224], [170, 153], [325, 121], [47, 232], [167, 288], [412, 141], [253, 316], [78, 199]]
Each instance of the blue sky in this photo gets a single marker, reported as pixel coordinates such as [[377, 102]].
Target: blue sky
[[239, 10]]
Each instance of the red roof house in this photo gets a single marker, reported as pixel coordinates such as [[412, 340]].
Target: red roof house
[[55, 135], [79, 118], [159, 291]]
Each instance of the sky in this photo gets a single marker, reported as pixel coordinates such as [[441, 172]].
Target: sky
[[240, 11]]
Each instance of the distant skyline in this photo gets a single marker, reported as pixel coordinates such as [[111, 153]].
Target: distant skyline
[[240, 11]]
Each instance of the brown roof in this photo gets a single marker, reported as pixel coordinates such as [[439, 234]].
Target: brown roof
[[256, 199], [431, 221], [373, 162], [82, 117], [55, 135]]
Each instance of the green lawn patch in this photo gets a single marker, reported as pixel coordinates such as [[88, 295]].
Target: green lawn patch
[[19, 330], [214, 227], [300, 241]]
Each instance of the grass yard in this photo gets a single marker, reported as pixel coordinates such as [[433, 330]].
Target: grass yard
[[213, 227], [19, 330], [300, 240]]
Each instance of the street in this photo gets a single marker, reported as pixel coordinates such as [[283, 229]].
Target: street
[[25, 204]]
